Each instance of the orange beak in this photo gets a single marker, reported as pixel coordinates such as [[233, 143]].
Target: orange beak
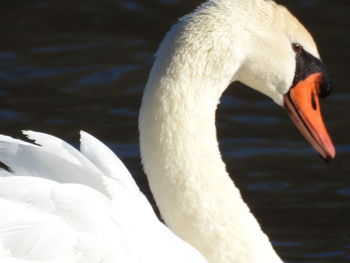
[[303, 107]]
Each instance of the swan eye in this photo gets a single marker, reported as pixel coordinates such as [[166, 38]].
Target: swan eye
[[297, 48]]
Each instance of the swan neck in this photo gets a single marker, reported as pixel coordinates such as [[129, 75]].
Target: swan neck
[[181, 157], [179, 148]]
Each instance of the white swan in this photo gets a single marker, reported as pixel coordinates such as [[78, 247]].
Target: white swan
[[89, 208]]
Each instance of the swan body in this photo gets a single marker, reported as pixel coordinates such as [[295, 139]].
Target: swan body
[[71, 206]]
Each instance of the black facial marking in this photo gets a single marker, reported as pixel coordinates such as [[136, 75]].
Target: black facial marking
[[325, 87], [307, 64], [313, 101]]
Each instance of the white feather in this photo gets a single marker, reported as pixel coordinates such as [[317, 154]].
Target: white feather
[[62, 207], [105, 159], [55, 160]]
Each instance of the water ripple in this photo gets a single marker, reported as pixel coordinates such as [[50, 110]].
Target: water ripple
[[106, 76]]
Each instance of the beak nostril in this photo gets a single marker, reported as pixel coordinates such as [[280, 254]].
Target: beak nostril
[[313, 101]]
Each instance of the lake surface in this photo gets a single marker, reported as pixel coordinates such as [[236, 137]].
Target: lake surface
[[71, 65]]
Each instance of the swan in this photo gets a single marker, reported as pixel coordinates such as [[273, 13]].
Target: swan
[[83, 206]]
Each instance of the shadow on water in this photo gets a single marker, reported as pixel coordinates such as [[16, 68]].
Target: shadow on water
[[66, 66]]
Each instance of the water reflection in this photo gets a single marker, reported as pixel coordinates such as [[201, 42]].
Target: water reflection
[[66, 66]]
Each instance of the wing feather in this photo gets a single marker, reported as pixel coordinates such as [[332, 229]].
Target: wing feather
[[77, 207], [56, 160], [101, 156]]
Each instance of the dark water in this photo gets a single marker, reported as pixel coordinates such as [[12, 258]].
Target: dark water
[[71, 65]]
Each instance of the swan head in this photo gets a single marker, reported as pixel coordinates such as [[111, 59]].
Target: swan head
[[283, 62], [256, 42]]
